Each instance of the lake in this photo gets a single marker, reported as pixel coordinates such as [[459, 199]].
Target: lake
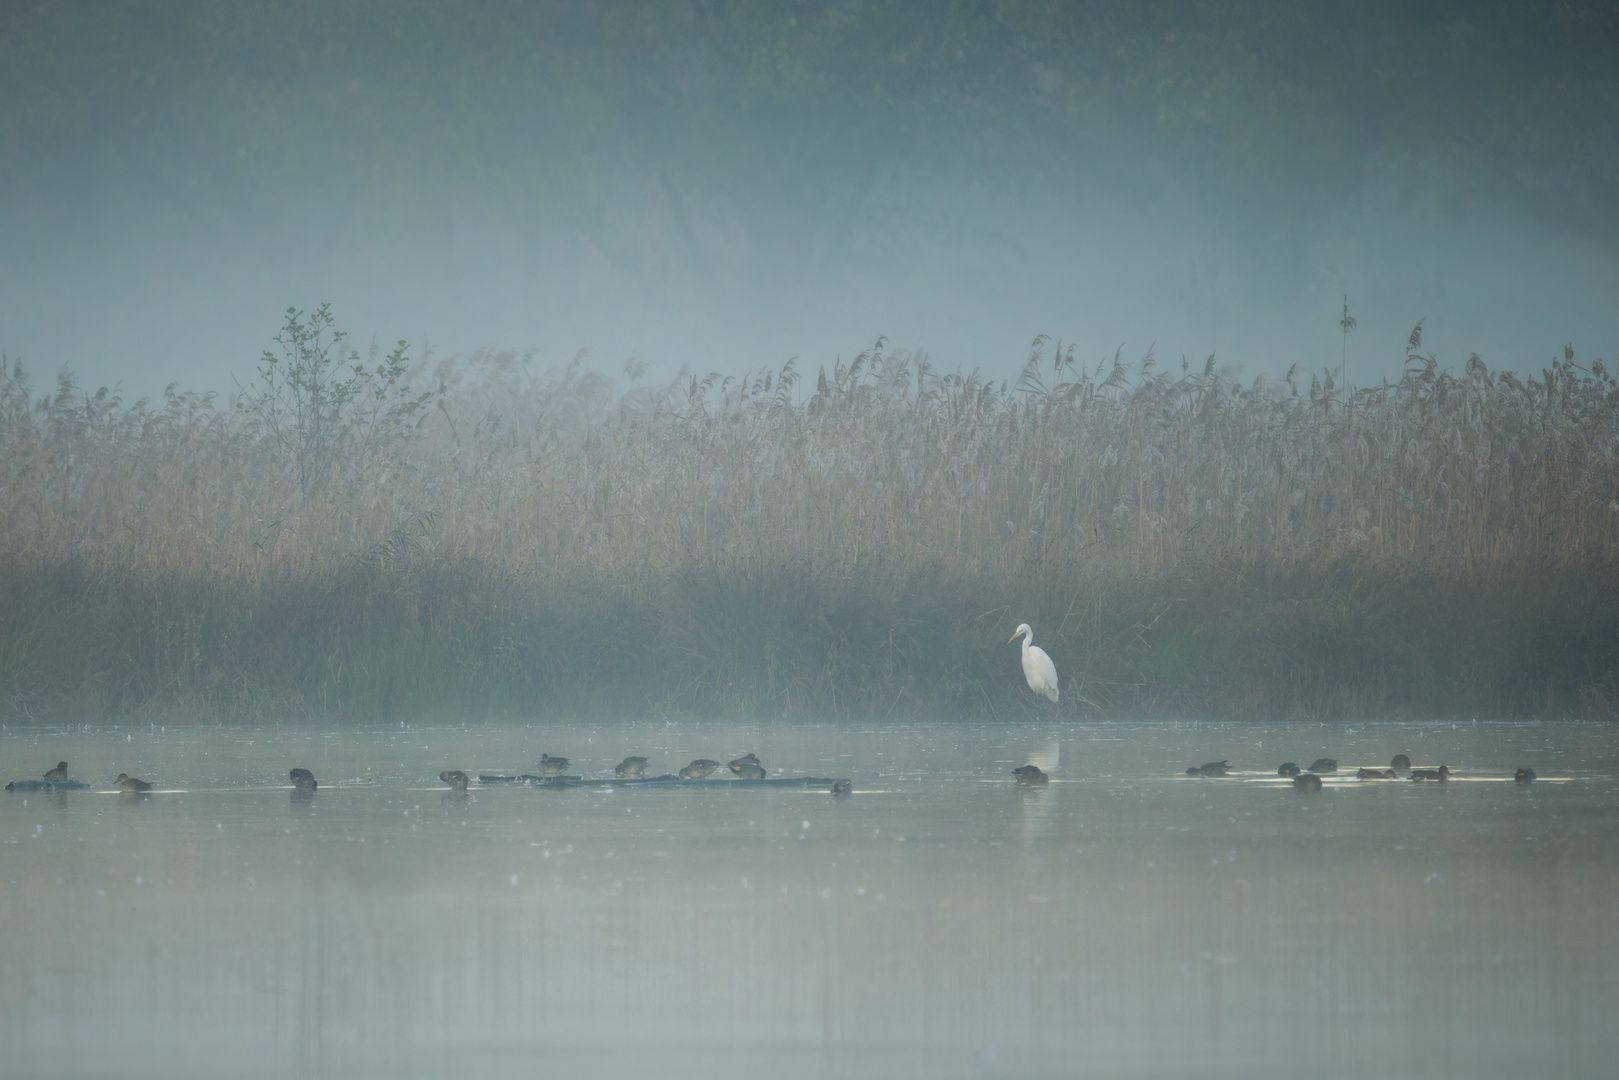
[[1126, 920]]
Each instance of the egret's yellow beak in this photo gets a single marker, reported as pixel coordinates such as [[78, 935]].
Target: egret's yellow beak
[[1013, 638]]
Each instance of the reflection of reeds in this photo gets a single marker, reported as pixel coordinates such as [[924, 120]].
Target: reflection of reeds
[[1180, 541]]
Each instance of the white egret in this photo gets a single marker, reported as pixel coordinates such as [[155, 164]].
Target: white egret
[[1037, 666]]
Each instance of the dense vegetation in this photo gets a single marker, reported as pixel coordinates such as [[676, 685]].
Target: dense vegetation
[[498, 541]]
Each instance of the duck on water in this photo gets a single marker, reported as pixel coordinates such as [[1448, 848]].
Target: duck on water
[[1031, 776]]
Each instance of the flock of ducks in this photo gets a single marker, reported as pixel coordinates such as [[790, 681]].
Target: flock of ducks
[[550, 770], [1310, 779], [1303, 779], [748, 767]]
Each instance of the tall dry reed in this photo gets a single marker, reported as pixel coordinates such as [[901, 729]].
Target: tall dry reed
[[735, 512]]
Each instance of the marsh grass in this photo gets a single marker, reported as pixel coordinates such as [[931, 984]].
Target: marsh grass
[[1184, 544]]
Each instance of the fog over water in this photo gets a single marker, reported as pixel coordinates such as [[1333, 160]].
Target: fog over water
[[723, 189], [1125, 920]]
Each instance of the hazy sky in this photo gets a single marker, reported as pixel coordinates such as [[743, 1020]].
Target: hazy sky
[[722, 187]]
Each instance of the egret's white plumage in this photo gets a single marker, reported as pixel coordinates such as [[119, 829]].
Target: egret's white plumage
[[1037, 666]]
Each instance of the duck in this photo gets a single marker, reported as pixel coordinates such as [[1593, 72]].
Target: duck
[[1307, 782], [1524, 776], [842, 789], [1401, 764], [455, 778], [553, 766], [1375, 774], [700, 769], [1324, 764], [1441, 774], [57, 774], [1210, 768], [1031, 776], [1289, 768], [303, 779], [631, 767], [128, 783], [746, 767]]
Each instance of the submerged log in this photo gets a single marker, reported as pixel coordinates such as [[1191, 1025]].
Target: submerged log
[[668, 780]]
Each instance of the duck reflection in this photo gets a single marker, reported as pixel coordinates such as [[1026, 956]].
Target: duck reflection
[[1040, 802], [303, 785]]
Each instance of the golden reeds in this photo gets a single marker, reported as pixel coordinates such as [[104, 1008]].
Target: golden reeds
[[887, 480]]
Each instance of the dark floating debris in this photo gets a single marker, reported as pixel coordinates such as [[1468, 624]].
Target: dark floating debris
[[631, 767], [553, 766], [842, 789], [1210, 768], [1289, 768], [700, 769], [1324, 764], [128, 783], [530, 780], [1307, 782], [527, 779], [801, 782], [1441, 774], [46, 785], [303, 780], [1376, 774], [1031, 776], [667, 780], [455, 778], [1524, 776], [1401, 764]]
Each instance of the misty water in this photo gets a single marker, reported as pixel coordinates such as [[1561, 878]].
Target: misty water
[[1127, 919]]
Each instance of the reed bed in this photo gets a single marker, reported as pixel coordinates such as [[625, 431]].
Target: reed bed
[[1184, 543]]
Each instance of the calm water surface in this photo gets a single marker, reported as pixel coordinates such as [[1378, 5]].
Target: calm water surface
[[1128, 920]]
